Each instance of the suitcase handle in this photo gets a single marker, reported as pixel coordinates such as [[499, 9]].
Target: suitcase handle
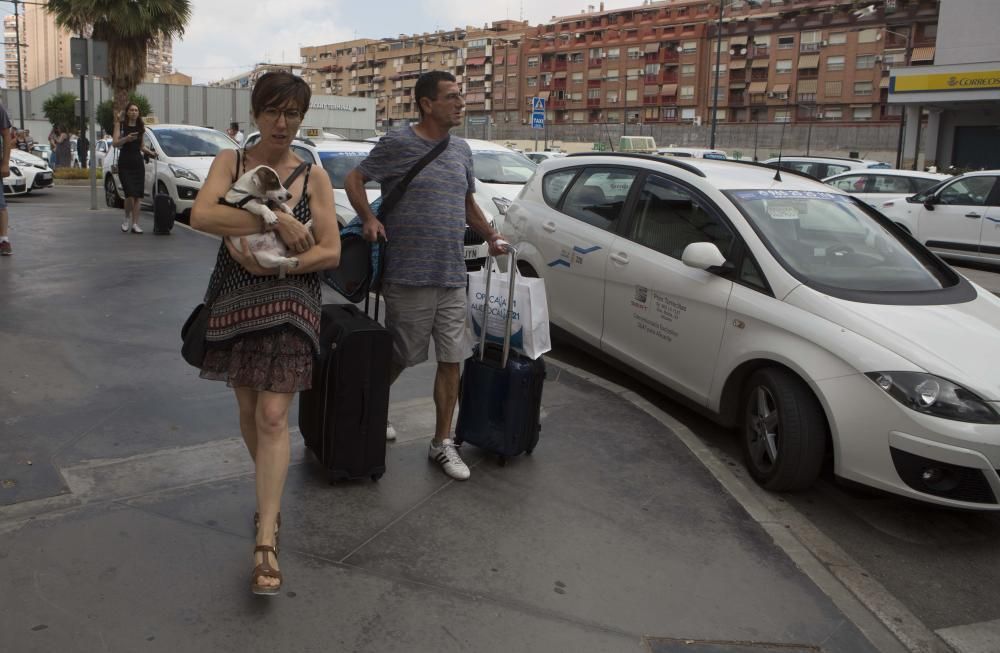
[[512, 273]]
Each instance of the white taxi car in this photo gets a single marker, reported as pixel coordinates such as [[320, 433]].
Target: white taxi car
[[959, 218], [876, 186], [781, 306], [36, 170]]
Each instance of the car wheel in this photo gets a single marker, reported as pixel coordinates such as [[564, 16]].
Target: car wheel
[[784, 431], [111, 197], [525, 270]]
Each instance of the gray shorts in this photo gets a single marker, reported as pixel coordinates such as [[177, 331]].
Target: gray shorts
[[414, 314]]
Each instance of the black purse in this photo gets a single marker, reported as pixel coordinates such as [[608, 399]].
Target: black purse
[[195, 328]]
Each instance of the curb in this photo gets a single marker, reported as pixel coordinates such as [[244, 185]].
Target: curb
[[884, 620]]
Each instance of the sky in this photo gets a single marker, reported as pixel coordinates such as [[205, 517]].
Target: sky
[[228, 37]]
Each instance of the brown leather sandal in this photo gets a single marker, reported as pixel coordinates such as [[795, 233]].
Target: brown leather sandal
[[277, 526], [265, 570]]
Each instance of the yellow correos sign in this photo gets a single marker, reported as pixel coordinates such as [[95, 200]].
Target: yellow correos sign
[[978, 81]]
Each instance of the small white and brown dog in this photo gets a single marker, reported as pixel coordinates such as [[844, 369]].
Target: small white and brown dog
[[260, 191]]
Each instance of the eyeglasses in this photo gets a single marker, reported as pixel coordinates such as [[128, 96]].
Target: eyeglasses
[[291, 115]]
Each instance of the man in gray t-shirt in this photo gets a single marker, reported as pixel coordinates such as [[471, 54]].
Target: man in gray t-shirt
[[424, 276]]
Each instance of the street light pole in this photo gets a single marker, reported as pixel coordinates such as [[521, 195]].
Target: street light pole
[[718, 57], [20, 75]]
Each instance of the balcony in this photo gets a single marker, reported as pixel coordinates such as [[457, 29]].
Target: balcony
[[593, 102], [737, 99], [668, 77], [560, 64], [558, 104]]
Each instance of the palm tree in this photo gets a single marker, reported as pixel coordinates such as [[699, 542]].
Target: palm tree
[[128, 27]]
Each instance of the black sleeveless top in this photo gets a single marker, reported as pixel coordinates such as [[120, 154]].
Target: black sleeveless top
[[132, 151], [250, 304]]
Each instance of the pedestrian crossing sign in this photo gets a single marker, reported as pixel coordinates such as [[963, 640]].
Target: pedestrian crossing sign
[[538, 104]]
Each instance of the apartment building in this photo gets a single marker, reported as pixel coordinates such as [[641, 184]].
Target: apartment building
[[247, 79], [387, 69], [10, 52]]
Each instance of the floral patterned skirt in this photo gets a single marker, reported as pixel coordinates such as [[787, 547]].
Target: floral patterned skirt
[[273, 361]]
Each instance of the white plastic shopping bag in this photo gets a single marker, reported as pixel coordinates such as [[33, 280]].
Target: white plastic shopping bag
[[530, 319]]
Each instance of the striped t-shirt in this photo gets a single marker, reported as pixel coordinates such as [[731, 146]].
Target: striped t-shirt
[[426, 229]]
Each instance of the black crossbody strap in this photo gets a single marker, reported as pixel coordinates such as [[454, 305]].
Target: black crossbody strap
[[389, 201], [295, 174]]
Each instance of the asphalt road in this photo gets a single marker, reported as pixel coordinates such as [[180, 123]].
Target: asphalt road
[[943, 565]]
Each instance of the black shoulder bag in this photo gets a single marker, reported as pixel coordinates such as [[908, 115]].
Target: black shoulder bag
[[354, 276]]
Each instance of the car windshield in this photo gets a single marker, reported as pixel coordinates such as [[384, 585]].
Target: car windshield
[[830, 240], [180, 142], [499, 167], [338, 164]]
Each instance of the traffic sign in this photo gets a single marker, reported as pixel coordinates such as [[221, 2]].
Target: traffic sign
[[537, 104], [538, 120]]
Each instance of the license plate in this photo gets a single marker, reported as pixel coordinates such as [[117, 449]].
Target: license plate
[[45, 175], [472, 253]]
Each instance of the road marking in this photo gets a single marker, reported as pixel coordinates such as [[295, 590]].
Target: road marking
[[983, 637]]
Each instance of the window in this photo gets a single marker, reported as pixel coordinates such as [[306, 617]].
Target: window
[[687, 113], [688, 47], [554, 184], [721, 68], [720, 115], [786, 42], [631, 95], [686, 92], [596, 53], [852, 183], [865, 61], [612, 75], [838, 38], [783, 66], [579, 116], [613, 54], [598, 195], [687, 70], [612, 97], [862, 113], [652, 69], [972, 191], [863, 88], [532, 62], [782, 115], [669, 217], [833, 89], [891, 184], [593, 94], [835, 63], [532, 81], [634, 53], [868, 35], [576, 78], [833, 113], [669, 113]]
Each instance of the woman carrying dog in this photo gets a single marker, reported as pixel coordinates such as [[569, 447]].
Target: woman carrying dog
[[264, 327], [131, 168]]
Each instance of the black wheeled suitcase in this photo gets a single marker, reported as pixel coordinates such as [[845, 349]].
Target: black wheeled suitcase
[[343, 416], [164, 209], [500, 398]]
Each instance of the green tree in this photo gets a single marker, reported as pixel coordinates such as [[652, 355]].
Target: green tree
[[60, 110], [128, 27], [106, 114]]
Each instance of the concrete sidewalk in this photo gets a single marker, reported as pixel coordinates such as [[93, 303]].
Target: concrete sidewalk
[[126, 501]]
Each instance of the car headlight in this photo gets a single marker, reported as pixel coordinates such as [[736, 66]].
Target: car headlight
[[14, 170], [184, 173], [502, 204], [926, 393]]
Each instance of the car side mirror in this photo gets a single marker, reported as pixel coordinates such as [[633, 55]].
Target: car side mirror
[[703, 256], [930, 202]]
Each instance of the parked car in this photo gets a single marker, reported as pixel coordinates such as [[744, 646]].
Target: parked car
[[184, 155], [36, 171], [876, 186], [101, 149], [692, 152], [822, 167], [786, 308], [43, 151], [958, 218]]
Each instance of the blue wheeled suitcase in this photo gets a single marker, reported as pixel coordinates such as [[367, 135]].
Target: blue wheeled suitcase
[[500, 398]]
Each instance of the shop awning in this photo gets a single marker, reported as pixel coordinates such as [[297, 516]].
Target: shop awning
[[475, 61], [809, 61], [780, 88], [922, 54], [542, 94], [807, 86], [669, 89], [757, 87], [760, 63], [737, 86], [652, 47]]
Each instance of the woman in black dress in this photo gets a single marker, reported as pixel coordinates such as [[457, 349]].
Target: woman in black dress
[[131, 168]]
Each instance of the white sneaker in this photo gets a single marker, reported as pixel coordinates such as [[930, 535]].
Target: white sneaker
[[390, 432], [125, 226], [447, 456], [136, 229]]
